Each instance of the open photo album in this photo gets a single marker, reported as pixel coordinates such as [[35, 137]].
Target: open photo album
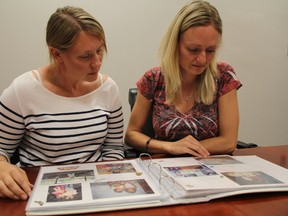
[[147, 182]]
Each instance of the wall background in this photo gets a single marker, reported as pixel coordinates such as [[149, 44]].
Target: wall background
[[255, 44]]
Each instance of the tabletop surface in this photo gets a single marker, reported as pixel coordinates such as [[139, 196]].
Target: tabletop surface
[[247, 204]]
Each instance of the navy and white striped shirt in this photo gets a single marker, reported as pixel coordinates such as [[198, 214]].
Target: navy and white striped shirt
[[52, 129]]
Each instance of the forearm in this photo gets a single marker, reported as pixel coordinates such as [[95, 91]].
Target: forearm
[[113, 152], [144, 143], [113, 148], [220, 145], [226, 142]]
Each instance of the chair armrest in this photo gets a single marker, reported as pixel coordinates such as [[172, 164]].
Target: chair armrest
[[132, 153], [241, 145]]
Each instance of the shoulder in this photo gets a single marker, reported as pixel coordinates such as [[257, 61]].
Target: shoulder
[[25, 77], [18, 90], [224, 67], [151, 81], [110, 93], [227, 79], [154, 72], [22, 82], [109, 81], [109, 86], [154, 76]]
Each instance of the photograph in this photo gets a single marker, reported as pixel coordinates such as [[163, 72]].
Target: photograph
[[190, 171], [218, 160], [67, 192], [251, 178], [67, 177], [115, 168], [124, 188]]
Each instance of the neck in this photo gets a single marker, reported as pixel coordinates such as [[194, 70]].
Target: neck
[[59, 78], [188, 89], [188, 81], [55, 80]]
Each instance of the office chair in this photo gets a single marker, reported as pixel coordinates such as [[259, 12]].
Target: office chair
[[148, 129]]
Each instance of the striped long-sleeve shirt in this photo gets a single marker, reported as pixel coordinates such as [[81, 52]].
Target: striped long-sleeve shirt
[[51, 129]]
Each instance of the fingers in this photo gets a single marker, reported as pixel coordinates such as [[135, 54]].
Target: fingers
[[196, 148], [27, 190], [22, 188], [5, 192], [198, 151], [14, 183], [189, 145]]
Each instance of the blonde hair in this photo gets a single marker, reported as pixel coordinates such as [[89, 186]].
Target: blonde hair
[[195, 13], [65, 25]]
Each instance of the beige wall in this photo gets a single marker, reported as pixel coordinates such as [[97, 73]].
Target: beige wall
[[255, 43]]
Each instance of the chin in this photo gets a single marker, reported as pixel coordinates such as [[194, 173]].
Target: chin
[[198, 71], [92, 77]]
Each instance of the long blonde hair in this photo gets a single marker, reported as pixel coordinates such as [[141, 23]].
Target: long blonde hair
[[195, 13]]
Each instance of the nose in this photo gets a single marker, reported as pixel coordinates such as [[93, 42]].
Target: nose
[[201, 58], [96, 61]]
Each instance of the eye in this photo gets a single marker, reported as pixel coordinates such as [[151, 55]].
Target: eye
[[210, 51], [194, 50], [99, 51], [86, 56]]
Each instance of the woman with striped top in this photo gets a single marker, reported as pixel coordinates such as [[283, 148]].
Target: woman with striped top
[[65, 112]]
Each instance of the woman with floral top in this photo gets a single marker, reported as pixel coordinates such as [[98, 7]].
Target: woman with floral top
[[193, 98]]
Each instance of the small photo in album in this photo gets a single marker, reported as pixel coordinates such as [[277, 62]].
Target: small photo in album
[[115, 168], [124, 188], [190, 171], [64, 193], [218, 160], [72, 176], [251, 178]]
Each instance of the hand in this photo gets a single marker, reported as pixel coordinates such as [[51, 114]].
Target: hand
[[14, 183], [188, 145]]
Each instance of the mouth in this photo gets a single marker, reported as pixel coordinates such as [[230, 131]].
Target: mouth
[[199, 66], [93, 73]]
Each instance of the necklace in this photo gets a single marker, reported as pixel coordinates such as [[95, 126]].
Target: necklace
[[188, 98]]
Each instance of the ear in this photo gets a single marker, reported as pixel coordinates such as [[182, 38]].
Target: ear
[[56, 54]]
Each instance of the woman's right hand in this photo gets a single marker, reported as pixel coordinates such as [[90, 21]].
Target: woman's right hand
[[14, 183], [187, 145]]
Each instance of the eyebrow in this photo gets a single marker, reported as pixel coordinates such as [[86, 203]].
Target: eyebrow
[[196, 45]]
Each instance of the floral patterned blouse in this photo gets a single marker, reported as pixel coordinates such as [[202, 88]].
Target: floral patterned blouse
[[202, 121]]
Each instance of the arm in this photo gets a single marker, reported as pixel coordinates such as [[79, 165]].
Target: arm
[[113, 148], [14, 183], [136, 139], [228, 126]]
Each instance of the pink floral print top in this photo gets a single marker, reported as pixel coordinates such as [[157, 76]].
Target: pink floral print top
[[202, 121]]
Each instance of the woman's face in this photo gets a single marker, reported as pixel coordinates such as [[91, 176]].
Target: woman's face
[[197, 47], [83, 60]]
